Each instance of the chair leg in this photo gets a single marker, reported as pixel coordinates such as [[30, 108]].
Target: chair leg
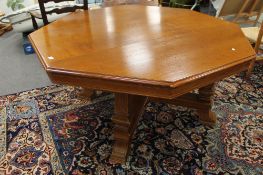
[[34, 22]]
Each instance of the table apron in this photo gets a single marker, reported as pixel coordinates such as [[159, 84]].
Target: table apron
[[135, 88]]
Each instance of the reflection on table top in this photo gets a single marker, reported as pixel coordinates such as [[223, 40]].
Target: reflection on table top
[[152, 44]]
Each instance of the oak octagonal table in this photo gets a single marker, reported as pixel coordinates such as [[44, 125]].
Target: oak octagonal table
[[141, 53]]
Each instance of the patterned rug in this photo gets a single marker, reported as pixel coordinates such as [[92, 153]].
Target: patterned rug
[[52, 131]]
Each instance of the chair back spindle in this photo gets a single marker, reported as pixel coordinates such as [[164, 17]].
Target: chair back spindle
[[242, 10], [45, 12]]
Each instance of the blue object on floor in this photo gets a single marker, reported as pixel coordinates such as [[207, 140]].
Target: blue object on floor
[[28, 49]]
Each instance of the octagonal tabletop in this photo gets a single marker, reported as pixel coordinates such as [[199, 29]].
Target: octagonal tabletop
[[154, 45]]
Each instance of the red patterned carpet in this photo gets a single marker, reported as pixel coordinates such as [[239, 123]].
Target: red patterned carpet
[[51, 131]]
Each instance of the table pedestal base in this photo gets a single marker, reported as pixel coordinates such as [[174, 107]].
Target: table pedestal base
[[203, 99], [129, 108], [87, 94], [201, 102]]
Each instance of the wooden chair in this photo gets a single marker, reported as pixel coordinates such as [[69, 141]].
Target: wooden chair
[[178, 4], [255, 36], [242, 10], [45, 12]]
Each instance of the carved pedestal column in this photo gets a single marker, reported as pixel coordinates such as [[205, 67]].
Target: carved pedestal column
[[206, 116], [128, 109], [87, 94]]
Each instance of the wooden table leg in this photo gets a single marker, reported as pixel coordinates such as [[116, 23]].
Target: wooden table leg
[[206, 116], [87, 94], [128, 109], [201, 102]]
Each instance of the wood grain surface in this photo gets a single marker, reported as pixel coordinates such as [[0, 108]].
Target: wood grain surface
[[146, 44]]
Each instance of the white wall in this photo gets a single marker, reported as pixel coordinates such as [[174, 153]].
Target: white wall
[[6, 10]]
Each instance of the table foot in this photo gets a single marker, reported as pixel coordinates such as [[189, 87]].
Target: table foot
[[119, 151], [128, 109], [207, 117], [87, 94]]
